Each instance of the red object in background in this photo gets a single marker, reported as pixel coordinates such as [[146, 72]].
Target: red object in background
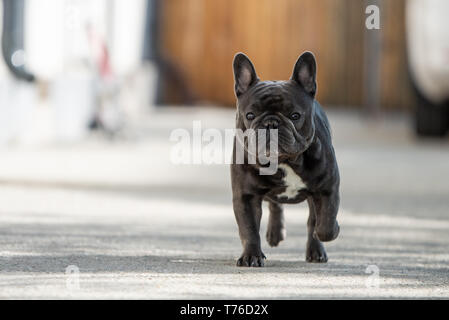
[[100, 53], [105, 62]]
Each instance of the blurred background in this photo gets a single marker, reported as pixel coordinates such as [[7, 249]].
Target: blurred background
[[73, 65], [91, 90]]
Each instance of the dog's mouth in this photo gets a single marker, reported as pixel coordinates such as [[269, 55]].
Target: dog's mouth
[[281, 144], [285, 141]]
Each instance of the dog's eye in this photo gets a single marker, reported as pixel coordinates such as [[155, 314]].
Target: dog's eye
[[250, 116], [295, 116]]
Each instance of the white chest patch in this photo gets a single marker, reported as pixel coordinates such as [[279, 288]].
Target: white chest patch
[[292, 181]]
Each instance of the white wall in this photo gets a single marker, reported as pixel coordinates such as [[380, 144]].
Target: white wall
[[57, 36]]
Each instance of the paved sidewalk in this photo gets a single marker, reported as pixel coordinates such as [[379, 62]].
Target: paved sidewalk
[[138, 227]]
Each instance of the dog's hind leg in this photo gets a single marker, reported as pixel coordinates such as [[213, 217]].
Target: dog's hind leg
[[276, 225]]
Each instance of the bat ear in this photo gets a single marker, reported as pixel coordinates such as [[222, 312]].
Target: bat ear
[[244, 74], [304, 72]]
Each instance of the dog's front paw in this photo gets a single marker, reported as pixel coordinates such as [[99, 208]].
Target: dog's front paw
[[275, 235], [247, 260], [315, 252]]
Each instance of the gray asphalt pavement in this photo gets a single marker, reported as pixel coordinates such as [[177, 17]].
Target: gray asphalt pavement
[[102, 219]]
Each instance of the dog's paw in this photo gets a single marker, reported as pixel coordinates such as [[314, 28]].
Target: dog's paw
[[275, 235], [315, 252], [251, 260]]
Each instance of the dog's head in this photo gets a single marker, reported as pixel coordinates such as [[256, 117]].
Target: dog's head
[[287, 106]]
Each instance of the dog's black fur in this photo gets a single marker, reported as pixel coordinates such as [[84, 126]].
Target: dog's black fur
[[304, 145]]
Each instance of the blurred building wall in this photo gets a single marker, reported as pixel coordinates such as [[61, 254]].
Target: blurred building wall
[[200, 38]]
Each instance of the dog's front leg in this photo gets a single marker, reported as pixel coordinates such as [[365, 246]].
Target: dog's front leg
[[315, 251], [248, 211], [326, 208]]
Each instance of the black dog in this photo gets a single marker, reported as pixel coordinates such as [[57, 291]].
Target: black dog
[[307, 163]]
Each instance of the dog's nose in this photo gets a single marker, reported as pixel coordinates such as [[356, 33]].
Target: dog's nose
[[271, 123]]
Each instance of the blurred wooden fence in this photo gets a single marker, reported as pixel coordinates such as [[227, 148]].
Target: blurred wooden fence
[[200, 38]]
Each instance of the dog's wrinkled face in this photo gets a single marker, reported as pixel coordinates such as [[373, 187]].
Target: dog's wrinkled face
[[287, 106]]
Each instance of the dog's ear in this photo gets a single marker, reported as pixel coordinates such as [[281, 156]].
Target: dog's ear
[[304, 72], [244, 74]]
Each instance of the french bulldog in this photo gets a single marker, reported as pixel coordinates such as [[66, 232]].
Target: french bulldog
[[307, 167]]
